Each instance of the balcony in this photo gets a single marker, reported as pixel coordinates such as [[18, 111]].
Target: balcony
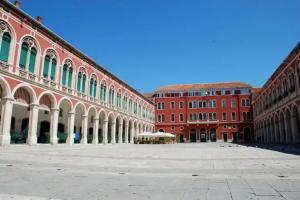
[[203, 122]]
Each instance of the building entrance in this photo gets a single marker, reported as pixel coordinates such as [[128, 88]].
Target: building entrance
[[193, 135], [225, 137], [202, 135], [213, 135]]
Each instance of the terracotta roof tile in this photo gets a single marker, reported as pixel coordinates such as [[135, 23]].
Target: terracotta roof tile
[[189, 87]]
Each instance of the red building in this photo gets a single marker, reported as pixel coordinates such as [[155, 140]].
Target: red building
[[205, 112]]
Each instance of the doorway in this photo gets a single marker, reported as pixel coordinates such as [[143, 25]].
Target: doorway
[[213, 135], [193, 135], [225, 137]]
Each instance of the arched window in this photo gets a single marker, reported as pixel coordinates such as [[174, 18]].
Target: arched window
[[93, 86], [125, 102], [130, 105], [49, 69], [28, 55], [67, 74], [103, 91], [111, 95], [79, 82], [5, 46], [5, 41], [119, 99]]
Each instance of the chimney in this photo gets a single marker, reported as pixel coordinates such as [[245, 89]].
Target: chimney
[[17, 4], [39, 19]]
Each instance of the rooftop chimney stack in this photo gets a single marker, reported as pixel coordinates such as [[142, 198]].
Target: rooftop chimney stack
[[39, 19], [17, 4]]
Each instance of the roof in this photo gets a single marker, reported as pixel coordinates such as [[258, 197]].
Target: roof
[[67, 45], [255, 90], [200, 86]]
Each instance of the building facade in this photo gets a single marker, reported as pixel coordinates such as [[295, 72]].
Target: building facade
[[49, 90], [276, 107], [205, 112]]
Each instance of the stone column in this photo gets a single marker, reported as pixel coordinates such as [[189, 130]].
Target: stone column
[[33, 121], [113, 132], [53, 126], [71, 120], [6, 113], [132, 135], [126, 133], [104, 130], [84, 129], [95, 130], [120, 141]]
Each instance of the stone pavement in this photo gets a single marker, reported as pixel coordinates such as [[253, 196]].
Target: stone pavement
[[209, 171]]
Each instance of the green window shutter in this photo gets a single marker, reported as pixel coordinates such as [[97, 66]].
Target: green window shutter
[[91, 87], [70, 77], [95, 88], [79, 82], [53, 70], [46, 66], [23, 55], [32, 60], [4, 53], [83, 83], [104, 93], [101, 92], [64, 75]]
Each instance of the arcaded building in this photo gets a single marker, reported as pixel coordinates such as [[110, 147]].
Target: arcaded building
[[276, 107], [205, 112], [51, 92]]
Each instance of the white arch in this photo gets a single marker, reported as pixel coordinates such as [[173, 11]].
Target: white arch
[[57, 75], [78, 104], [53, 98], [29, 89], [67, 99], [5, 87], [12, 48]]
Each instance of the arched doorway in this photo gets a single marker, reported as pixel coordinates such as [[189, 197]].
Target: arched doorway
[[247, 134], [295, 124], [193, 137], [111, 129], [103, 127], [213, 135], [203, 135], [79, 124], [65, 128]]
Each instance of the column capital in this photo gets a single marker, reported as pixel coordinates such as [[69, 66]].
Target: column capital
[[96, 118], [55, 109], [105, 121], [7, 99], [71, 113]]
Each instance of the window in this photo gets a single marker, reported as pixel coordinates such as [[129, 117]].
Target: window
[[234, 126], [172, 105], [202, 104], [111, 96], [81, 81], [172, 118], [193, 117], [161, 106], [233, 116], [181, 117], [245, 102], [103, 92], [202, 116], [212, 116], [212, 104], [5, 43], [93, 86], [49, 65], [119, 97], [224, 116], [181, 104], [67, 74], [246, 116], [232, 103], [192, 104], [28, 55], [223, 103]]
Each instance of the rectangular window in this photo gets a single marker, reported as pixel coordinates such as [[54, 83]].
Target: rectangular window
[[172, 105], [162, 118], [181, 117], [192, 104], [232, 103], [181, 104], [210, 116], [224, 117], [246, 116], [214, 116], [193, 117], [212, 104], [223, 103], [245, 102], [202, 104], [202, 116], [233, 116], [172, 118]]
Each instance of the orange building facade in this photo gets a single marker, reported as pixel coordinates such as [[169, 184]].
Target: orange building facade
[[205, 112]]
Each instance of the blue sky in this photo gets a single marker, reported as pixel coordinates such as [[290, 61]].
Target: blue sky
[[152, 43]]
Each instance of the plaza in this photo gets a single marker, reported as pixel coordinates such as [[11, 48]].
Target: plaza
[[176, 171]]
